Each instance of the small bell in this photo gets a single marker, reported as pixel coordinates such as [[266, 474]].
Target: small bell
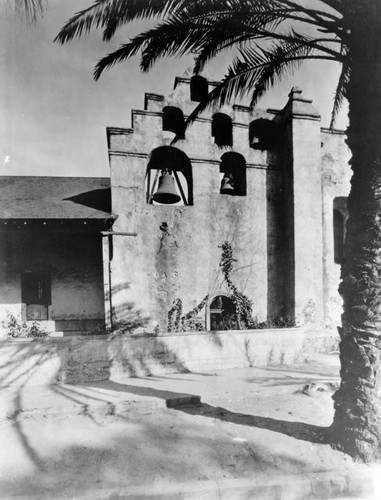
[[166, 192], [227, 186]]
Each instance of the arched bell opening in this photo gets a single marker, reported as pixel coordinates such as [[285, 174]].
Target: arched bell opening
[[221, 314], [340, 217], [222, 129], [233, 174], [198, 88], [263, 134], [173, 121], [169, 178]]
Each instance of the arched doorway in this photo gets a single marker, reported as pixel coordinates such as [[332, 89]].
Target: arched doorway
[[222, 314]]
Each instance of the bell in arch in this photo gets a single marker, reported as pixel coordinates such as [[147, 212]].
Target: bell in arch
[[227, 185], [166, 192]]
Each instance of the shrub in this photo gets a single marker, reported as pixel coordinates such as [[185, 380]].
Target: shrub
[[19, 329]]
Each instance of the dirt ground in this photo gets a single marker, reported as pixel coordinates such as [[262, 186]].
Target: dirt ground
[[276, 429]]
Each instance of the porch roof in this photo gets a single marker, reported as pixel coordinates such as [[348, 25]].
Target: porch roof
[[55, 198]]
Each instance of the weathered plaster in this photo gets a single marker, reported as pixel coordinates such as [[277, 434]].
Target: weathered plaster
[[153, 269], [279, 230], [336, 175]]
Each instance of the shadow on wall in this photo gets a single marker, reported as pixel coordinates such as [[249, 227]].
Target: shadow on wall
[[137, 357], [277, 248]]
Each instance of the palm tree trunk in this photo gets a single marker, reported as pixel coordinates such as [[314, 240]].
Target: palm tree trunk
[[356, 428]]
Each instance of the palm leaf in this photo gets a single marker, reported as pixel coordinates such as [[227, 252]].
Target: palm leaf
[[169, 38], [110, 14], [30, 9], [178, 36], [340, 93], [259, 29], [258, 68]]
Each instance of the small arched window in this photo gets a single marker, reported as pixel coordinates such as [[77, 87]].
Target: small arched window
[[173, 121], [222, 314], [233, 170], [340, 216], [263, 133], [169, 178], [338, 236], [198, 88], [222, 129]]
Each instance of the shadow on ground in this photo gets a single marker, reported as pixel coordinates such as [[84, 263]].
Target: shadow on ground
[[297, 430]]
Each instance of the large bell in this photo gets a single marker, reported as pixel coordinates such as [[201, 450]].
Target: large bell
[[166, 192], [227, 185]]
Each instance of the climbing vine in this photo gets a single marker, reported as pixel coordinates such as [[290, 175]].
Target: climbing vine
[[243, 305], [179, 322], [241, 319]]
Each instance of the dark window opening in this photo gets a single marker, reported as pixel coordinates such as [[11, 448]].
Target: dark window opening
[[222, 129], [233, 168], [169, 178], [338, 236], [36, 294], [198, 88], [263, 134], [173, 121], [222, 314], [340, 217]]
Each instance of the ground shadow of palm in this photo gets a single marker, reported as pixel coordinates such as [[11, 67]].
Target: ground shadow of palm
[[297, 430]]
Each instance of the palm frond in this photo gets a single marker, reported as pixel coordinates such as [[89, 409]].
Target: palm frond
[[257, 68], [176, 36], [179, 35], [334, 4], [124, 52], [261, 31], [30, 9], [281, 58], [234, 30], [110, 14], [168, 38], [255, 26], [340, 93]]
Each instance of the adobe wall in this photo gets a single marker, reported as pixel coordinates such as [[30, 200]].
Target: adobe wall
[[176, 251], [304, 122], [74, 262], [281, 232], [336, 176]]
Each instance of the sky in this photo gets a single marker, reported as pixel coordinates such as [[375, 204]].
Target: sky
[[53, 116]]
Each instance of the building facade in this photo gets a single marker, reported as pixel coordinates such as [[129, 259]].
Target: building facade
[[261, 192]]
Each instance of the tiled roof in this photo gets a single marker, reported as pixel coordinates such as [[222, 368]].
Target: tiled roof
[[55, 197]]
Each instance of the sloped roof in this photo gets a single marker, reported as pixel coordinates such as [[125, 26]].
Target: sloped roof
[[55, 197]]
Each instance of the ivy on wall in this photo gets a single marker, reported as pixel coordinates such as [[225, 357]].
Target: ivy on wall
[[242, 319], [179, 322], [243, 305]]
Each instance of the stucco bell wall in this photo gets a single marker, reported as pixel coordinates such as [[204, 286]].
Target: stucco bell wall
[[281, 231], [177, 250]]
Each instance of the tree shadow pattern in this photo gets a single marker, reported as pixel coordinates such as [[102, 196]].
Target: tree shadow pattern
[[30, 356]]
